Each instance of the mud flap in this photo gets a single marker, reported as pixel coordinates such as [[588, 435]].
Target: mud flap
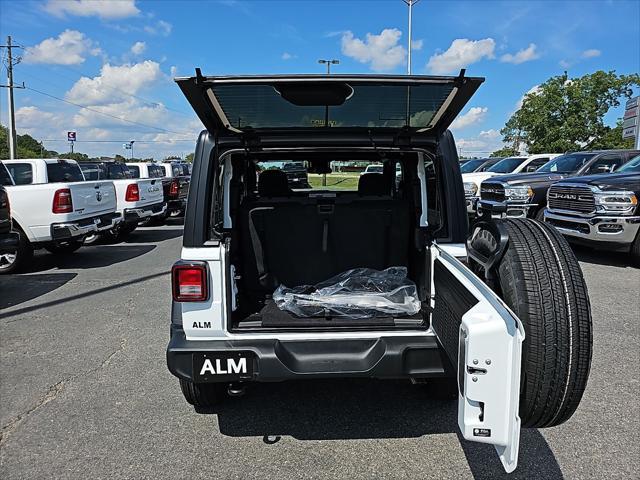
[[487, 352]]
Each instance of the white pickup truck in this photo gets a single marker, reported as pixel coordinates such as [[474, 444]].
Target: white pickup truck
[[53, 207], [137, 199]]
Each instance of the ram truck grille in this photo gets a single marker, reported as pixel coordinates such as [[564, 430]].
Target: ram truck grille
[[492, 191], [572, 198]]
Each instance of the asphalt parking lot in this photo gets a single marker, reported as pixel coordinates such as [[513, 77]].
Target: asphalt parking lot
[[85, 392]]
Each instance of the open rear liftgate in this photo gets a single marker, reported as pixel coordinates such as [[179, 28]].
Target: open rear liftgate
[[484, 339]]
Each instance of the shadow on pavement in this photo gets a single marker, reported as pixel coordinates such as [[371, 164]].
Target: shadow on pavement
[[175, 221], [16, 289], [71, 298], [88, 257], [154, 234], [602, 257], [364, 409]]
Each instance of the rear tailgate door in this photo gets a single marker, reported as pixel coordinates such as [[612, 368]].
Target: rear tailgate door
[[93, 198], [150, 191], [483, 339], [266, 105]]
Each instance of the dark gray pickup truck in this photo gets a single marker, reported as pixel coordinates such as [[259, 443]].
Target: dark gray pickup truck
[[525, 194], [599, 210]]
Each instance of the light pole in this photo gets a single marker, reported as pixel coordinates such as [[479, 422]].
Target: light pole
[[131, 143], [329, 63], [410, 4]]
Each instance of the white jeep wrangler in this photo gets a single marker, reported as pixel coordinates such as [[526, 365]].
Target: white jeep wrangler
[[501, 318]]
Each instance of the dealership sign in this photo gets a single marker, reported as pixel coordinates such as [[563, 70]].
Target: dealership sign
[[630, 119], [71, 136]]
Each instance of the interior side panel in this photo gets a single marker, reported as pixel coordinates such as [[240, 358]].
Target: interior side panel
[[452, 301]]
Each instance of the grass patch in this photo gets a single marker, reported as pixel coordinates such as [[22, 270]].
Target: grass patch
[[335, 181]]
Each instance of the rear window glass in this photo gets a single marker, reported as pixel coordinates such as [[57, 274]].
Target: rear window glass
[[164, 170], [361, 105], [22, 173], [155, 171], [93, 172], [342, 175], [5, 178], [117, 171], [64, 172], [135, 171]]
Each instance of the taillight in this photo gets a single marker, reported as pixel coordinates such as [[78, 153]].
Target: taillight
[[133, 193], [173, 188], [189, 282], [62, 201]]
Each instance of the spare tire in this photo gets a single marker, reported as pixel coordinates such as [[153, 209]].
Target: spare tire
[[540, 279]]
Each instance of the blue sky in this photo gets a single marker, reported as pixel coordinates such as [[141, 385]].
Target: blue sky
[[118, 58]]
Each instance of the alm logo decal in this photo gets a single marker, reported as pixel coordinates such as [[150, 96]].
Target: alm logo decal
[[233, 366]]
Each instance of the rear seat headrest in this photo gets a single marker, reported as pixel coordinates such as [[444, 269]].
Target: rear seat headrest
[[373, 184], [273, 183]]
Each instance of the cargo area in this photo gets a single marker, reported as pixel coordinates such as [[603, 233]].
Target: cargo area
[[294, 237]]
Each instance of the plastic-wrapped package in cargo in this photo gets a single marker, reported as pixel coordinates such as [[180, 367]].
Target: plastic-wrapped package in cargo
[[357, 293]]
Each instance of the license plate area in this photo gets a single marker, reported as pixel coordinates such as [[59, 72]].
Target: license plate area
[[223, 366]]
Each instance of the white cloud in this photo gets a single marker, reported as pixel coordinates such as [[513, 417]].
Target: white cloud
[[462, 53], [130, 110], [173, 71], [138, 48], [88, 8], [160, 28], [524, 55], [565, 63], [115, 83], [591, 53], [68, 48], [417, 44], [288, 56], [533, 91], [490, 134], [474, 115], [382, 51], [31, 116]]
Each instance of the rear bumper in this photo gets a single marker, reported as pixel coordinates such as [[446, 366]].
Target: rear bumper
[[9, 242], [134, 215], [605, 230], [80, 228], [176, 205], [274, 360]]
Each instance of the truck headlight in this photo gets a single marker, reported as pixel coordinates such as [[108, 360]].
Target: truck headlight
[[518, 192], [470, 189], [623, 203]]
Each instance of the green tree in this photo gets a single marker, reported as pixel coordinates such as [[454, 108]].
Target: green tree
[[568, 114], [77, 156], [505, 152], [26, 146], [189, 158]]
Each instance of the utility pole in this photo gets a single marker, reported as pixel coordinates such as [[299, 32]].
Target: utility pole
[[410, 4], [329, 63], [10, 86]]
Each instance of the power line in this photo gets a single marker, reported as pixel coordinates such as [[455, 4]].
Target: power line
[[133, 122], [121, 141]]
